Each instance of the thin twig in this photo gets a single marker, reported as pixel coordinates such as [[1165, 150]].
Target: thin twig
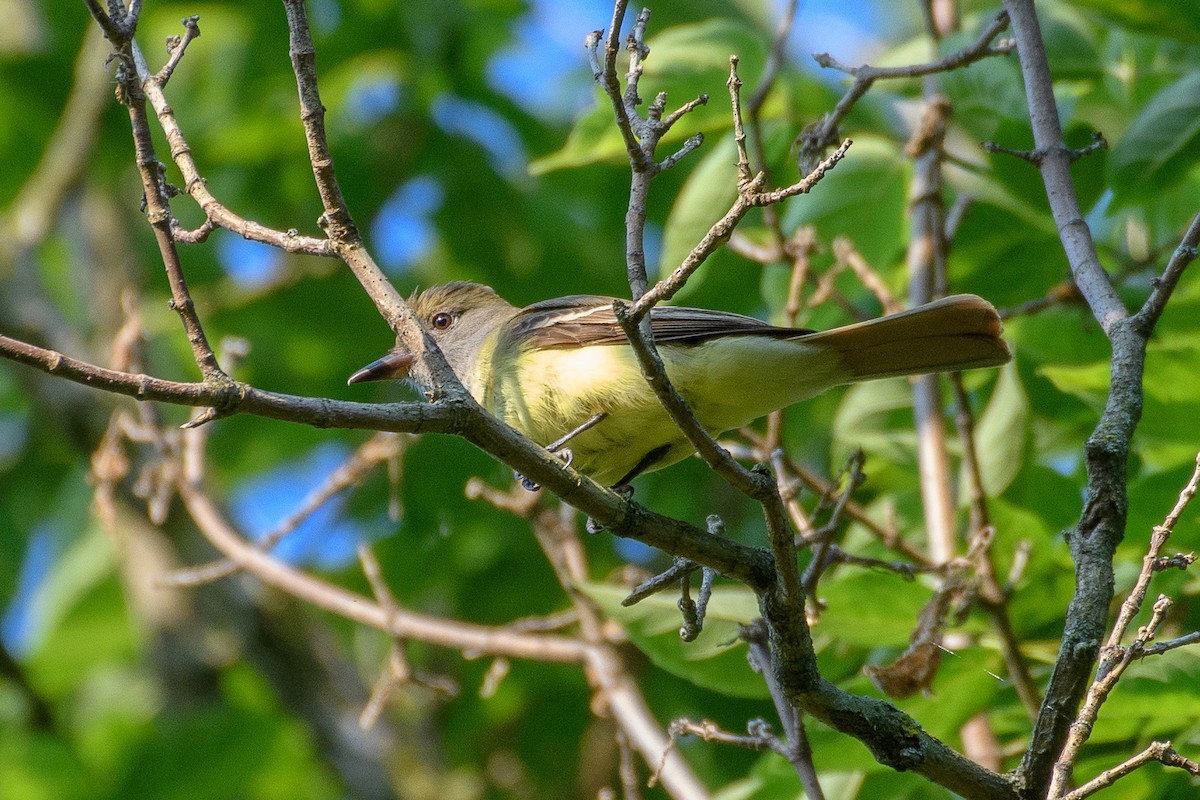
[[1158, 539], [796, 748], [380, 448], [438, 631], [130, 69], [761, 738], [1156, 751], [1060, 294], [555, 529], [112, 31], [1171, 644], [1165, 284], [846, 253], [992, 595], [824, 134], [397, 670], [754, 108], [694, 610], [669, 577], [888, 534], [722, 229], [216, 213], [627, 770], [1114, 657], [177, 46]]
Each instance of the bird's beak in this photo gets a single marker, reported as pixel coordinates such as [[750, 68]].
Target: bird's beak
[[395, 365]]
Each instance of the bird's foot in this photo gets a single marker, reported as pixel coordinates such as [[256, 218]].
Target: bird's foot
[[564, 454], [626, 493]]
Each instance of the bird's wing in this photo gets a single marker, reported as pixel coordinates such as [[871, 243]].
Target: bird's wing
[[580, 320]]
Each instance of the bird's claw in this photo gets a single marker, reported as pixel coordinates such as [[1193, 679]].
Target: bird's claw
[[626, 492], [564, 454]]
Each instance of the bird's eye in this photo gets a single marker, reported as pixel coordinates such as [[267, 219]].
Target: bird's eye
[[442, 321]]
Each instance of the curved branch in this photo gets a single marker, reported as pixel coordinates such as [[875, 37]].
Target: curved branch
[[824, 133], [1101, 525], [748, 564], [1055, 167], [337, 222], [435, 630], [1164, 285]]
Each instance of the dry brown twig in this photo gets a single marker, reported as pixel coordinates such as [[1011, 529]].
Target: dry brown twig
[[1115, 658], [382, 448], [821, 135], [618, 695], [847, 256], [1161, 752], [397, 671], [887, 531]]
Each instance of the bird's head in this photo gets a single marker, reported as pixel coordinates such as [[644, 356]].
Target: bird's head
[[459, 317]]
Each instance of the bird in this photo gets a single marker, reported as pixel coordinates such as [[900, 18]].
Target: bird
[[562, 372]]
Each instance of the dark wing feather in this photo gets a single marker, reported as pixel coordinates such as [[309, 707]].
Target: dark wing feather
[[581, 320]]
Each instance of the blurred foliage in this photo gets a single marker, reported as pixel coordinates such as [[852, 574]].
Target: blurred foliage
[[458, 168]]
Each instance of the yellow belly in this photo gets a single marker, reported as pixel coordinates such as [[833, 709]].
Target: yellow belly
[[728, 383]]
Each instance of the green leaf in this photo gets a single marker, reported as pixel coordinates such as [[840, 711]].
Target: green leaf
[[1001, 436], [230, 743], [594, 139], [716, 660], [870, 416], [1161, 145], [1170, 434], [710, 190], [773, 778], [870, 609], [1073, 40], [864, 198], [1045, 587], [1171, 408], [1166, 681], [1088, 382], [1169, 18], [39, 767], [1171, 370], [86, 562]]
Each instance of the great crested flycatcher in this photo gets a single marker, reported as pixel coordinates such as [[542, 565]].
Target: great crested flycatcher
[[563, 368]]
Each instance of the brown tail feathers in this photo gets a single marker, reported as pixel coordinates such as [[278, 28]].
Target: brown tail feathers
[[947, 335]]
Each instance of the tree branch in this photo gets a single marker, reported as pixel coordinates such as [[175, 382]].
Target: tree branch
[[1115, 658], [1164, 285], [158, 212], [1102, 521], [1157, 751], [1055, 168], [823, 134], [438, 631]]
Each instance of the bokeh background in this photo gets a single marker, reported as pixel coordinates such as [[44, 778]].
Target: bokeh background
[[471, 144]]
